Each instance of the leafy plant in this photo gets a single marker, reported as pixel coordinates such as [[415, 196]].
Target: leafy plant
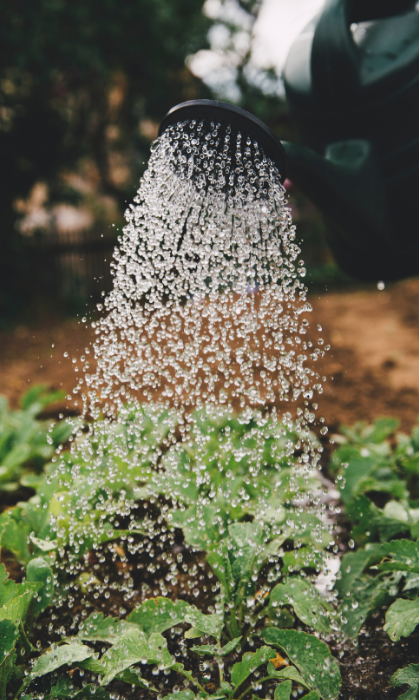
[[20, 604], [407, 676], [27, 443], [370, 469]]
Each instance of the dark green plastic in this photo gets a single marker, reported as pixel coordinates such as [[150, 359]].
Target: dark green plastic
[[351, 81]]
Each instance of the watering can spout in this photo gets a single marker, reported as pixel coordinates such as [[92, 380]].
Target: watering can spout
[[347, 187]]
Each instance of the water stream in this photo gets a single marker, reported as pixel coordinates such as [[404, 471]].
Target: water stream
[[207, 321]]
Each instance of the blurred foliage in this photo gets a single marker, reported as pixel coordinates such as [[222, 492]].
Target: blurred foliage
[[76, 80]]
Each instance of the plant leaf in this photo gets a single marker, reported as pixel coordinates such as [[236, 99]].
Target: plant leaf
[[368, 595], [213, 650], [132, 647], [106, 629], [288, 673], [17, 608], [403, 556], [250, 662], [38, 571], [211, 625], [317, 666], [230, 646], [402, 618], [407, 676], [283, 691], [305, 600], [158, 614], [9, 634], [65, 689], [60, 656], [133, 677]]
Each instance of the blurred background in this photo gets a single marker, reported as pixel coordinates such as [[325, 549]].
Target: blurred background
[[83, 88]]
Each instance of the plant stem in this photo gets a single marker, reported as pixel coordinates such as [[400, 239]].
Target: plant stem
[[194, 680], [220, 664]]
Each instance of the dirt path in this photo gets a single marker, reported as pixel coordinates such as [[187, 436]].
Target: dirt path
[[372, 366]]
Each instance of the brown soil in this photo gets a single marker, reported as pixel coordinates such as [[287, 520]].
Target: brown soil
[[372, 367]]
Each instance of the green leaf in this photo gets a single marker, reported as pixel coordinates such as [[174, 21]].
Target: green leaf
[[56, 657], [133, 677], [9, 634], [65, 689], [288, 673], [368, 595], [8, 588], [402, 555], [317, 666], [250, 662], [17, 608], [205, 649], [213, 649], [106, 629], [402, 618], [313, 695], [407, 676], [230, 646], [132, 647], [211, 625], [158, 614], [305, 600], [182, 695], [38, 571], [352, 566], [14, 535], [283, 691]]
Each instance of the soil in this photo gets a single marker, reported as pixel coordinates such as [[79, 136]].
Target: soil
[[372, 367]]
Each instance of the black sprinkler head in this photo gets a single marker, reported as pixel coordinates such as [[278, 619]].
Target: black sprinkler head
[[238, 119]]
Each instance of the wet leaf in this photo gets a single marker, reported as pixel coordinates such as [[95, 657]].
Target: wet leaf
[[17, 608], [283, 691], [305, 600], [407, 676], [250, 662], [312, 657], [38, 571], [106, 629], [207, 624], [65, 689], [56, 657], [368, 595], [402, 618], [158, 614], [213, 650], [132, 647], [9, 634], [288, 673], [401, 555]]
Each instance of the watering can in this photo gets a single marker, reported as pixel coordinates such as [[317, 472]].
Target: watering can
[[351, 81]]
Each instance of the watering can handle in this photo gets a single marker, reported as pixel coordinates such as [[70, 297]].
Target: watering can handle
[[335, 56]]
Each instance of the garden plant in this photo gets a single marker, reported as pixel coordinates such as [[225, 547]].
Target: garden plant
[[217, 602]]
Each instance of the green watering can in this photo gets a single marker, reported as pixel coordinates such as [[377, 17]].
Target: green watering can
[[351, 80]]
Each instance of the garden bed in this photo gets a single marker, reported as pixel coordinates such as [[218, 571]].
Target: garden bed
[[375, 537]]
